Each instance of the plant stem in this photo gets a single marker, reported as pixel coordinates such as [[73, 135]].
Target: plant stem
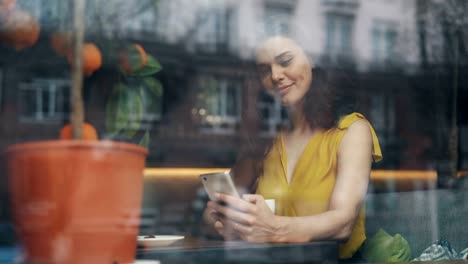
[[77, 115]]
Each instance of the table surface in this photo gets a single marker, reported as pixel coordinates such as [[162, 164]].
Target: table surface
[[191, 250]]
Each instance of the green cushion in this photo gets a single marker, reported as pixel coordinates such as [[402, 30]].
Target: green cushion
[[383, 247]]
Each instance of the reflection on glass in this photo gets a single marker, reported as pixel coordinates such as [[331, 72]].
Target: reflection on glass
[[405, 62]]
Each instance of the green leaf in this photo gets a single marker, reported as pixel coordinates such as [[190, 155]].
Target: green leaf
[[110, 115], [151, 67], [152, 62], [124, 110], [154, 86], [144, 142], [115, 117], [145, 71], [134, 106]]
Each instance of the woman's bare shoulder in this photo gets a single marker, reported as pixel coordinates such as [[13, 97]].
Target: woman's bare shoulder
[[357, 135]]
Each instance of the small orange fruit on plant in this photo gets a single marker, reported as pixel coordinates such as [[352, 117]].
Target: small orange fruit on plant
[[132, 58], [89, 132], [19, 30], [92, 58]]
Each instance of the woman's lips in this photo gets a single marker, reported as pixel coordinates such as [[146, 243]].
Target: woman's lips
[[284, 89]]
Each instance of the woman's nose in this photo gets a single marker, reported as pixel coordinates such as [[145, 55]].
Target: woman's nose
[[277, 73]]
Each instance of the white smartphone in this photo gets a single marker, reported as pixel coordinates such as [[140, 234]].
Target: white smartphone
[[218, 182]]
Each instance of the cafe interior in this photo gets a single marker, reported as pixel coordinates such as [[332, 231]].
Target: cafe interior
[[111, 110]]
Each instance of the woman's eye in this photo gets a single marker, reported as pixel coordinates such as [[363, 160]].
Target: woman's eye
[[285, 63]]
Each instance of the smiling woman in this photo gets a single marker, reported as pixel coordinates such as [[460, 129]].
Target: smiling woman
[[284, 69], [317, 169]]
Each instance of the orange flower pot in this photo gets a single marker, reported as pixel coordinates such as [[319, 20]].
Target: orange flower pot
[[76, 201]]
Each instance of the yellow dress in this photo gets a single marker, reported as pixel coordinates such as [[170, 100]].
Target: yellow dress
[[313, 179]]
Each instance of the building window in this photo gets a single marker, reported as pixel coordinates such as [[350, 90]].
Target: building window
[[277, 19], [272, 114], [218, 104], [44, 100], [384, 37], [339, 34], [212, 34], [347, 4]]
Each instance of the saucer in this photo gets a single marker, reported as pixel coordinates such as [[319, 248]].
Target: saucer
[[158, 240]]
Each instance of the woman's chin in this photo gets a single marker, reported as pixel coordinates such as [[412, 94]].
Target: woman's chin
[[287, 102]]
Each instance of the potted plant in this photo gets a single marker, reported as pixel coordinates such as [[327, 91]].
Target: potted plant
[[78, 201]]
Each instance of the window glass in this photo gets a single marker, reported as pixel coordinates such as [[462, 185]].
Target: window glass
[[218, 103], [339, 34], [201, 86], [384, 36], [44, 100]]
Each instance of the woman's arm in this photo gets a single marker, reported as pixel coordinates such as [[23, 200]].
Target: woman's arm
[[353, 172], [255, 223]]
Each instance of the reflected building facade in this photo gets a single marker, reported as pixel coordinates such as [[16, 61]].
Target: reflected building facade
[[211, 96]]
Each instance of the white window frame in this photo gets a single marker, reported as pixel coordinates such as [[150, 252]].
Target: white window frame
[[334, 40], [54, 86], [214, 123], [384, 51], [209, 36]]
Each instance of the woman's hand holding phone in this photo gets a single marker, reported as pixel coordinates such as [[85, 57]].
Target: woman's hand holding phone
[[214, 183], [234, 217], [249, 218]]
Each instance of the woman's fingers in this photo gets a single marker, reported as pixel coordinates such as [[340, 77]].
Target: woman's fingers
[[220, 228], [235, 202], [238, 227], [252, 198], [243, 211], [218, 225], [225, 230], [230, 213], [248, 218]]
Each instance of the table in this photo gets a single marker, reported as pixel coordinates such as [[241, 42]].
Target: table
[[202, 251]]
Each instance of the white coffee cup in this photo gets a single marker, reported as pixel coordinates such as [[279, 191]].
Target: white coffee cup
[[271, 204]]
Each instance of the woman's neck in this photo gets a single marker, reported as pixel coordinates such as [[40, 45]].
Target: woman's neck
[[299, 124]]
